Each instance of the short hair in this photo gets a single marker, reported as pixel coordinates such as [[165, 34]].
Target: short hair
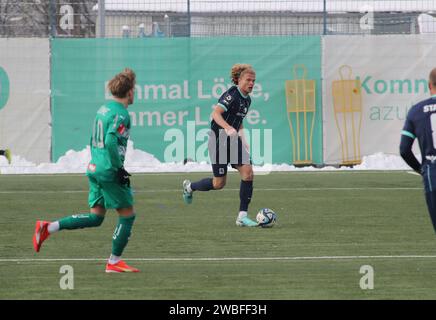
[[432, 77], [238, 70], [122, 83]]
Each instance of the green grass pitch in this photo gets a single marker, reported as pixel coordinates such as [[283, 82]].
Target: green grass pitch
[[330, 224]]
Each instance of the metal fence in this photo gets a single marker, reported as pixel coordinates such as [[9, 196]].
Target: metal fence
[[210, 18]]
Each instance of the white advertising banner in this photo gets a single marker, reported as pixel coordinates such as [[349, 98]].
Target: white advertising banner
[[25, 98], [369, 84]]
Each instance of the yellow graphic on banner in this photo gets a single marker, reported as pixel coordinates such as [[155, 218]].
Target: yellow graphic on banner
[[301, 109], [347, 104]]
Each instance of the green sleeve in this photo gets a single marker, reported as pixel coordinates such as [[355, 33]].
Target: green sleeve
[[111, 144]]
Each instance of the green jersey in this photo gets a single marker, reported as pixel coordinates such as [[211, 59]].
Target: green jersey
[[109, 141]]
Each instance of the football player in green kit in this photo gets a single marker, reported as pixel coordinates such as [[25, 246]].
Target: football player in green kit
[[109, 184]]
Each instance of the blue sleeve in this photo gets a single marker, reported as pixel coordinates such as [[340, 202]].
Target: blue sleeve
[[226, 100], [407, 154], [407, 138], [409, 128]]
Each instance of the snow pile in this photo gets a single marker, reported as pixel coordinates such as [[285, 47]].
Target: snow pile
[[140, 161]]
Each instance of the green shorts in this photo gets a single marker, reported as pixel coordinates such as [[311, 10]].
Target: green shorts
[[109, 194]]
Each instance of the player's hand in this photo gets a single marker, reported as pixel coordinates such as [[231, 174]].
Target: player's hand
[[123, 176], [231, 132]]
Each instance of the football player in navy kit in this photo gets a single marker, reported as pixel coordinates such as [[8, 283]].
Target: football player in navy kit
[[421, 124], [227, 144]]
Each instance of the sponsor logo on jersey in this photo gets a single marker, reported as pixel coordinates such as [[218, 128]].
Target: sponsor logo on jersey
[[92, 167], [227, 99], [103, 110], [121, 129]]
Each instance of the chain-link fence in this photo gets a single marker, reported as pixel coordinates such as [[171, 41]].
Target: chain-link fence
[[210, 18]]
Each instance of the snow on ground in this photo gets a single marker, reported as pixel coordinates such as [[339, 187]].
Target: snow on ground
[[140, 161]]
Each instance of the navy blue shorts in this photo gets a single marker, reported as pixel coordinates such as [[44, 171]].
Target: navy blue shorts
[[429, 180], [429, 177], [226, 150]]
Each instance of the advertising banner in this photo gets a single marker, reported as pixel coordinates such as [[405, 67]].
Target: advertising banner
[[178, 82], [25, 98], [369, 84]]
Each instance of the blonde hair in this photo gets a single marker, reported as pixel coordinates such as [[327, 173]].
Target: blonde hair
[[432, 77], [238, 70], [122, 83]]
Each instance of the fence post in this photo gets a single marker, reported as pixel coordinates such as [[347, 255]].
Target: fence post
[[101, 18], [189, 18], [324, 17], [52, 18]]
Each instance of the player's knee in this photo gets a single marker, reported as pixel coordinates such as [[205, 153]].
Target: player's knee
[[218, 184], [97, 220], [248, 176], [126, 212]]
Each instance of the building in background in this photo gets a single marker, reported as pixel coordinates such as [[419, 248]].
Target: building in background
[[262, 18]]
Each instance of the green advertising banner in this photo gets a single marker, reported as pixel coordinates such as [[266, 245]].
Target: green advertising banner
[[178, 82]]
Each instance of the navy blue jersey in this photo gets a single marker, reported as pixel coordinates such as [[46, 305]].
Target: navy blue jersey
[[421, 124], [236, 107]]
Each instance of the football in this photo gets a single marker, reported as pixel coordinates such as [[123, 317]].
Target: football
[[266, 218]]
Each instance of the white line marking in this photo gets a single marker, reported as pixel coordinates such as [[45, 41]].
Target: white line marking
[[231, 258], [227, 189]]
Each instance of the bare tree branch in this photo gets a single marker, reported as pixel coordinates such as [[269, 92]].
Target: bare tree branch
[[33, 18]]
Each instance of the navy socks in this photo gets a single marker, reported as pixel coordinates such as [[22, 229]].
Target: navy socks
[[202, 185], [245, 193]]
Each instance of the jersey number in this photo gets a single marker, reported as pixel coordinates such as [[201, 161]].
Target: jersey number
[[433, 128], [98, 134]]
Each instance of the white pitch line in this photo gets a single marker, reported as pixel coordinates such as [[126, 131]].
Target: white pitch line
[[231, 171], [231, 258], [228, 189]]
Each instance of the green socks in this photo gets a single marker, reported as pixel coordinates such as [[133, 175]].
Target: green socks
[[78, 221], [121, 234]]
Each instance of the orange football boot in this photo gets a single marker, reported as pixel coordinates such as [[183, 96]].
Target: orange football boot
[[41, 234], [120, 266]]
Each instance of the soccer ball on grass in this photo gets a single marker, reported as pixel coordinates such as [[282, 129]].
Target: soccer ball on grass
[[266, 218]]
